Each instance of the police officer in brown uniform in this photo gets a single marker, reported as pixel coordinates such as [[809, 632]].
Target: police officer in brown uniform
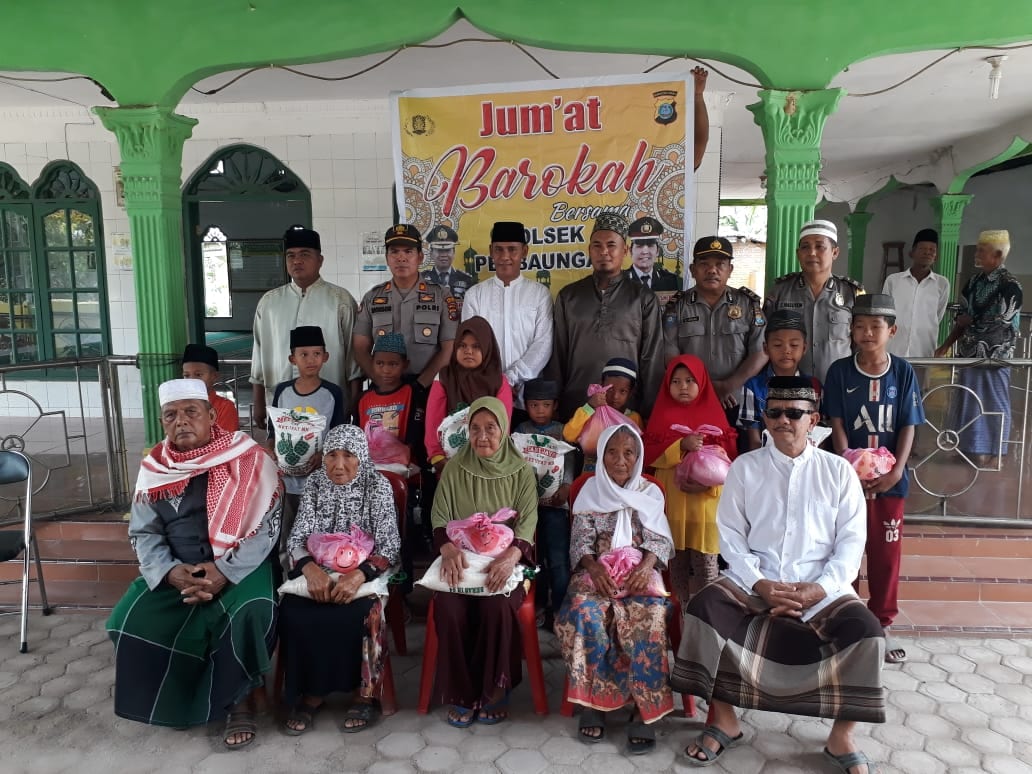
[[721, 326], [425, 314], [825, 300]]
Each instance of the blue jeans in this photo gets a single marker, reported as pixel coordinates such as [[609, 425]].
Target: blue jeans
[[553, 544]]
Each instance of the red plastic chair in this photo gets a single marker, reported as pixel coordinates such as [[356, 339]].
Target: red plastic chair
[[674, 628], [531, 654], [395, 609]]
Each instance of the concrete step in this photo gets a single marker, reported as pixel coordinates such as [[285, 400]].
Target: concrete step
[[967, 542]]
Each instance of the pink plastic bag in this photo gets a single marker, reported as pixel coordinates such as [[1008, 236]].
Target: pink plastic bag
[[604, 416], [708, 466], [620, 563], [384, 446], [481, 533], [340, 551], [869, 464]]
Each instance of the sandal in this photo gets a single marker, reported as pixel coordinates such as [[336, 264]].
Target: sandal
[[460, 717], [641, 738], [710, 757], [591, 719], [893, 655], [240, 722], [846, 761], [362, 714], [493, 714], [303, 714]]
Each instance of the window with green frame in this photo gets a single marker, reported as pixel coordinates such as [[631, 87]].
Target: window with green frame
[[53, 296]]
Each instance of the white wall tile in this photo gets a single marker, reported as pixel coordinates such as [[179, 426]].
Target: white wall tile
[[343, 146], [320, 146]]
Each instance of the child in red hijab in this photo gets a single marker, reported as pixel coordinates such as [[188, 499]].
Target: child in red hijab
[[688, 398]]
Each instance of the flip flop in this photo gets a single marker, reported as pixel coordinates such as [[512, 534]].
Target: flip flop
[[591, 718], [641, 739], [305, 713], [724, 741], [460, 712], [499, 712], [846, 761], [368, 712], [895, 655], [240, 722]]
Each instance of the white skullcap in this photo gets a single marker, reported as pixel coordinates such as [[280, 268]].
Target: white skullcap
[[999, 237], [182, 389], [823, 228]]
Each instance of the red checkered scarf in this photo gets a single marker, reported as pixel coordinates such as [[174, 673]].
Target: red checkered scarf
[[243, 483]]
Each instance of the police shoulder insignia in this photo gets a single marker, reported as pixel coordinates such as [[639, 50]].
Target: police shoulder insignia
[[858, 286], [749, 294], [787, 277]]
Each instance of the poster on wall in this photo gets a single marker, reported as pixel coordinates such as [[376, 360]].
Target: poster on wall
[[552, 155]]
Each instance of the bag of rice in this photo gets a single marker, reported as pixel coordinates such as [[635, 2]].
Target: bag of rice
[[548, 458], [474, 577], [299, 586], [299, 437], [453, 432]]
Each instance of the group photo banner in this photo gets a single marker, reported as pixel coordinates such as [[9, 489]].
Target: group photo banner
[[552, 155]]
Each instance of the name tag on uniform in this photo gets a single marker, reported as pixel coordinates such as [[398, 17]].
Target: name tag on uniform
[[790, 305], [427, 308], [690, 319]]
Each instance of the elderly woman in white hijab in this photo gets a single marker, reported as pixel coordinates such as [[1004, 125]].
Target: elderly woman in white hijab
[[613, 638], [336, 641]]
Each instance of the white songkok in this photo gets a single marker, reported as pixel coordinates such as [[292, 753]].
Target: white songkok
[[998, 237], [182, 389], [823, 228]]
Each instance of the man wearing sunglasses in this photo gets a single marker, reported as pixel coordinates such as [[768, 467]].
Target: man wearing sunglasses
[[784, 612]]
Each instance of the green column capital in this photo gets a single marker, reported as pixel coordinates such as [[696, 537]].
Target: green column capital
[[856, 235], [151, 143], [792, 123]]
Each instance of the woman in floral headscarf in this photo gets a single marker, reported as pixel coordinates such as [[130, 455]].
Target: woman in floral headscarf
[[333, 641]]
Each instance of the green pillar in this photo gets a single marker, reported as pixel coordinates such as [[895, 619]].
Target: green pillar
[[792, 123], [949, 211], [856, 228], [151, 142]]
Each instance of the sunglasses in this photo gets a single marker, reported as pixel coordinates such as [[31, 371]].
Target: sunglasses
[[792, 413]]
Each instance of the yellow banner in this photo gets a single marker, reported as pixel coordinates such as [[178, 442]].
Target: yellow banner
[[552, 155]]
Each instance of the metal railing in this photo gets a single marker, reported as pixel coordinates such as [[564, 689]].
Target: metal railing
[[87, 458]]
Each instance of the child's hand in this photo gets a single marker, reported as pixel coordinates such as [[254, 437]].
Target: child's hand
[[690, 487], [316, 460], [598, 400], [692, 443], [882, 483], [561, 495]]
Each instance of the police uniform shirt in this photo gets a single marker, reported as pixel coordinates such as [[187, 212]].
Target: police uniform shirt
[[827, 317], [721, 336], [457, 281], [426, 316], [661, 279]]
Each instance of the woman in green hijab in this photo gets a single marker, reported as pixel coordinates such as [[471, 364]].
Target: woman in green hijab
[[479, 655]]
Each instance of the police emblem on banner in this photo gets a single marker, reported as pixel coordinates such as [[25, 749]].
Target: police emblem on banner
[[419, 125], [666, 106]]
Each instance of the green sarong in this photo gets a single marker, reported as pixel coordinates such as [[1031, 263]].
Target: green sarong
[[184, 665]]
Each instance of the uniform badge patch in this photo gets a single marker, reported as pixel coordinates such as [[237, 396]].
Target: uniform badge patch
[[427, 331], [734, 311]]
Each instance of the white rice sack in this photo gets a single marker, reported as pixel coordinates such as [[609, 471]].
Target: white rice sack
[[299, 586], [453, 432], [547, 456], [474, 577], [298, 437]]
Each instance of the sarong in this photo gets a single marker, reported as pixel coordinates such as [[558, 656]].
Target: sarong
[[615, 650], [185, 665], [982, 434], [828, 667]]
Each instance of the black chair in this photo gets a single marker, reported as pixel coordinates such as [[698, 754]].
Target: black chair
[[15, 468]]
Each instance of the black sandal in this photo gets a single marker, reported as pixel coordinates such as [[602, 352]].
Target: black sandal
[[304, 714], [240, 722], [591, 719], [641, 738], [367, 712]]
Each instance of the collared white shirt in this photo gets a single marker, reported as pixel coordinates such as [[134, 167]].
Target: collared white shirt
[[520, 315], [807, 523], [920, 307], [282, 309]]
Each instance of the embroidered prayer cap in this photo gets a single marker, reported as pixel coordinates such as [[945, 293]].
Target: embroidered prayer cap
[[403, 234], [442, 236], [713, 247], [301, 236], [182, 389], [995, 237], [785, 320], [610, 221], [791, 388], [824, 228], [508, 231], [926, 235], [874, 305], [198, 353], [621, 366], [390, 342], [644, 229], [541, 389], [307, 336]]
